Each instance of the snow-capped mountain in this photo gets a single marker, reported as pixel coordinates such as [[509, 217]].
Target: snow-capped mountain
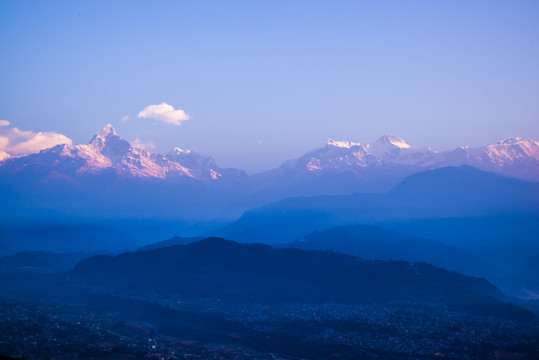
[[345, 156], [513, 157], [343, 167], [387, 156], [393, 149], [4, 155], [336, 156], [388, 146], [107, 151], [339, 167], [108, 176]]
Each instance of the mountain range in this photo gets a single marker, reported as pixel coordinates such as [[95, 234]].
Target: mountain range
[[106, 151], [514, 157], [109, 177], [490, 217], [450, 192], [375, 243]]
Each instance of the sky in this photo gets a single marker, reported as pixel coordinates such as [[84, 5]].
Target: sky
[[255, 83]]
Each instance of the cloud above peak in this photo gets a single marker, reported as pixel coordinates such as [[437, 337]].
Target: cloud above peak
[[165, 113], [16, 142], [149, 145]]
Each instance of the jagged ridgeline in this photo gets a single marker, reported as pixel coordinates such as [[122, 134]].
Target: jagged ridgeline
[[108, 177]]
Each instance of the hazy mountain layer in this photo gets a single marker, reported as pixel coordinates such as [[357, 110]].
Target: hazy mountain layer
[[109, 176], [375, 243], [443, 193]]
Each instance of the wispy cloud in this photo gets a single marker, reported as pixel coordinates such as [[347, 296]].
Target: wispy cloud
[[18, 143], [165, 113], [148, 145], [125, 118]]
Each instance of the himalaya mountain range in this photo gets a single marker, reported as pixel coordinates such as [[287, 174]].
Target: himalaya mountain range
[[347, 223], [106, 152], [110, 178]]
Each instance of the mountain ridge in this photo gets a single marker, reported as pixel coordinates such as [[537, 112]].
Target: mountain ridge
[[223, 268], [376, 243], [107, 151], [514, 157], [441, 193], [108, 176]]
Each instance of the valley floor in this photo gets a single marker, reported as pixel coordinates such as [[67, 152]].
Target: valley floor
[[129, 328]]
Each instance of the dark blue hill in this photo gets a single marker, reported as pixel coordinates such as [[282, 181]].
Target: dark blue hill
[[221, 268]]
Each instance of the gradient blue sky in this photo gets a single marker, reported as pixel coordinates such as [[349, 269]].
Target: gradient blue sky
[[265, 81]]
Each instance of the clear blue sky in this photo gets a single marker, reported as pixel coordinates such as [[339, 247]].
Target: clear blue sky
[[265, 81]]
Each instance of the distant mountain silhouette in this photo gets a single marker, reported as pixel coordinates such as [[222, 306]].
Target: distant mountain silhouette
[[42, 261], [442, 193], [222, 268], [375, 243], [176, 240]]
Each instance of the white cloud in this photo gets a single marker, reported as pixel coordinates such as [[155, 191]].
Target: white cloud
[[18, 143], [165, 113], [143, 145], [125, 118]]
